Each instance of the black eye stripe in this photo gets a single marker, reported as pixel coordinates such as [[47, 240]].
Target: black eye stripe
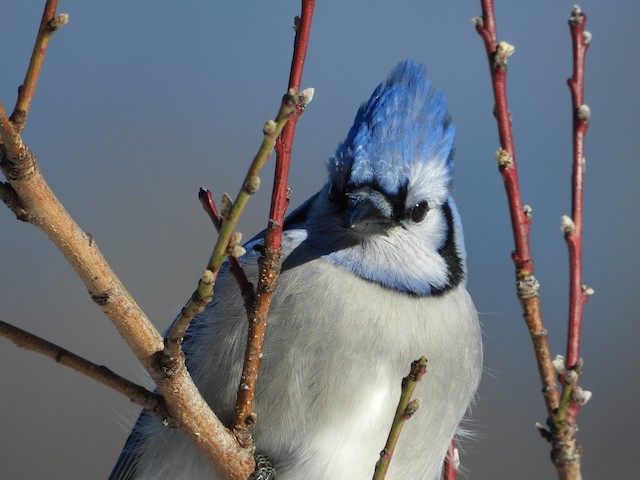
[[449, 252]]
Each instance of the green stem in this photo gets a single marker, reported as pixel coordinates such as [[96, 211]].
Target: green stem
[[406, 408], [271, 133]]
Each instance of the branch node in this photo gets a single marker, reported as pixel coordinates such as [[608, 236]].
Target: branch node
[[528, 286], [269, 127], [576, 16], [587, 290], [305, 97], [571, 377], [503, 52], [581, 396], [583, 112], [559, 365], [225, 205], [504, 158], [567, 225], [544, 432], [252, 184], [477, 22], [101, 298], [57, 22]]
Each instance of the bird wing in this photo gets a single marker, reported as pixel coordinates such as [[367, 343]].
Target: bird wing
[[126, 466]]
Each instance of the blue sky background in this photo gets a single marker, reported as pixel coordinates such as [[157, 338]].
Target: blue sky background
[[140, 103]]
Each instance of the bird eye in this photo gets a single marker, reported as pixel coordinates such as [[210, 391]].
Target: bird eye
[[418, 211]]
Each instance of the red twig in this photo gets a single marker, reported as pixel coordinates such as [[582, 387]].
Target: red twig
[[498, 65], [279, 197], [497, 54], [450, 470], [270, 260], [48, 26], [581, 113]]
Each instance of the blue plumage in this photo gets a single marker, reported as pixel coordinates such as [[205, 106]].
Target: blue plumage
[[404, 122]]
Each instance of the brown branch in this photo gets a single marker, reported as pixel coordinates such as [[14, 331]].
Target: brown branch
[[49, 24], [149, 400], [527, 285], [270, 260], [405, 410], [183, 400]]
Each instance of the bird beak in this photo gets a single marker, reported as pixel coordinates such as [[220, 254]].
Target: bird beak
[[368, 211]]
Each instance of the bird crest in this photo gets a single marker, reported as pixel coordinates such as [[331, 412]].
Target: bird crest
[[401, 134]]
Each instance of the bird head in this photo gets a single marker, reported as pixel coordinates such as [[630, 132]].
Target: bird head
[[386, 212]]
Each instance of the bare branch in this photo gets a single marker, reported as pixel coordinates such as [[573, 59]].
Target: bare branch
[[406, 408], [149, 400], [581, 115], [246, 287], [49, 24], [527, 285], [270, 260], [171, 358]]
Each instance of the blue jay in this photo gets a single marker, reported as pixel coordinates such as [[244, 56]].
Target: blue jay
[[373, 277]]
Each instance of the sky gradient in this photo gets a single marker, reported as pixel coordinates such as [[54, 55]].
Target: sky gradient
[[141, 103]]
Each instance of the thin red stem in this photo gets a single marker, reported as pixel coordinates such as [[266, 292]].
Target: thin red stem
[[270, 260], [497, 54], [521, 223], [280, 198], [577, 297], [450, 468]]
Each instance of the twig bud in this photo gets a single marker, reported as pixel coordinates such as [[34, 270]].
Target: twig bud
[[296, 23], [477, 22], [412, 408], [235, 249], [58, 21], [586, 37], [504, 158], [504, 51], [581, 396], [225, 205], [305, 97], [587, 290], [571, 377], [528, 287], [528, 212], [269, 127], [252, 184], [583, 112], [567, 226], [559, 365], [544, 432], [576, 15], [207, 277]]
